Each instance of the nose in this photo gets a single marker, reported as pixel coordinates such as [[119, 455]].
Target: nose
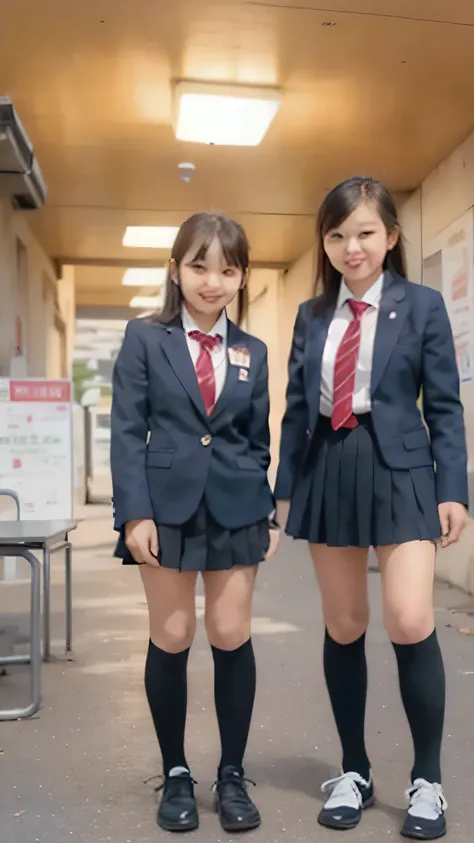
[[213, 280], [353, 245]]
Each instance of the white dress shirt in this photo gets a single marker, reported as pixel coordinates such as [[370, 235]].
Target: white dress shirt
[[218, 354], [342, 317]]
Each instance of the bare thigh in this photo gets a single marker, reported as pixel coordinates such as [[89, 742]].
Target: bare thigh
[[407, 585], [171, 602], [229, 601], [342, 577]]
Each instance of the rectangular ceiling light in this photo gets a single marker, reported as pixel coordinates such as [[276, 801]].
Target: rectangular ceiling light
[[223, 115], [150, 236], [147, 302], [147, 277]]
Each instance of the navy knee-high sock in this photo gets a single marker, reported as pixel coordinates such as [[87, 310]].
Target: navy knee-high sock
[[166, 689], [345, 669], [423, 690], [234, 693]]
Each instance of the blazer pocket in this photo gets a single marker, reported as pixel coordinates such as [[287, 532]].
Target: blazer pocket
[[159, 459], [247, 463], [416, 439]]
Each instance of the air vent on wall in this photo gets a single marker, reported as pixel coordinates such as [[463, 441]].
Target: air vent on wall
[[20, 176]]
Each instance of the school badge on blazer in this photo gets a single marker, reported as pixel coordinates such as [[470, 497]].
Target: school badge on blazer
[[240, 356]]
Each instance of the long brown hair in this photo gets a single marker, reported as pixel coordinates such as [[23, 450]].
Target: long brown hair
[[337, 207], [198, 232]]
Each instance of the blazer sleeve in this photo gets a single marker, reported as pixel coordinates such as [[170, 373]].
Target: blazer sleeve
[[295, 421], [129, 430], [259, 430], [442, 406]]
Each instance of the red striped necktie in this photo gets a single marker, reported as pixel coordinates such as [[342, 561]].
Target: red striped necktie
[[345, 369], [205, 369]]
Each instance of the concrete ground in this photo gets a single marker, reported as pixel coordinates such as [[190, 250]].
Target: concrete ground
[[77, 771]]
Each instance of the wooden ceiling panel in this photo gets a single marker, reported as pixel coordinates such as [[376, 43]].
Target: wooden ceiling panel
[[88, 235], [429, 11]]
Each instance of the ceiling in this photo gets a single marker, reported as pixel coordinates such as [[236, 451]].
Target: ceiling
[[376, 92]]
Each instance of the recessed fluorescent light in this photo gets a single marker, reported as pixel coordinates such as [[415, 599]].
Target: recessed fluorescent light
[[150, 236], [147, 302], [223, 115], [147, 277]]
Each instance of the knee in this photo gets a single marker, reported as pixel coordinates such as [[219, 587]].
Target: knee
[[175, 635], [406, 626], [227, 634], [348, 627]]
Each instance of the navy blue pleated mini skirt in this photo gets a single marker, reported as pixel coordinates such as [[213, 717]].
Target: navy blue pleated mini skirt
[[346, 496], [201, 544]]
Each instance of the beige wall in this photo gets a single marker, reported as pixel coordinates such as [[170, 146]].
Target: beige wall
[[67, 309], [443, 198], [262, 321], [36, 307], [448, 191], [409, 211], [274, 298]]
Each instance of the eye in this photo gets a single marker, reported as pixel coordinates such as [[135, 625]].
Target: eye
[[366, 233], [198, 267], [335, 235], [230, 272]]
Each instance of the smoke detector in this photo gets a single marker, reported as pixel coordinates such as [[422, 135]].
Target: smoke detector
[[186, 171]]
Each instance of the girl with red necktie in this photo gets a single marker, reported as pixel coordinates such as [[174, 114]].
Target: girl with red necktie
[[189, 456], [361, 469]]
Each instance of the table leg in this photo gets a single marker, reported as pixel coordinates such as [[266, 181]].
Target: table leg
[[46, 604], [34, 658], [35, 634], [68, 598]]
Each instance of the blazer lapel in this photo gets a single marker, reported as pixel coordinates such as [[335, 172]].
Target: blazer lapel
[[176, 349], [236, 338], [392, 314], [318, 333]]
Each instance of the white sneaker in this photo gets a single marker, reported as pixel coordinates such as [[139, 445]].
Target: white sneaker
[[425, 818], [349, 795]]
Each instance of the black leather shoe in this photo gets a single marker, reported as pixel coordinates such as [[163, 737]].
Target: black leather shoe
[[233, 804], [178, 811]]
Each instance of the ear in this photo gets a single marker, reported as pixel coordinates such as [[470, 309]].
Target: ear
[[173, 271], [393, 238], [245, 278]]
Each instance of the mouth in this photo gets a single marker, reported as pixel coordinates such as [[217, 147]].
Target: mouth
[[355, 263], [210, 299]]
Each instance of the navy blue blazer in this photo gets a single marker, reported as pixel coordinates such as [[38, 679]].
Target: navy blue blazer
[[166, 453], [413, 352]]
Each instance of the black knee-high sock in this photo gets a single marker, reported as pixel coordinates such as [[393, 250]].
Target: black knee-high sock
[[345, 669], [234, 694], [423, 690], [166, 689]]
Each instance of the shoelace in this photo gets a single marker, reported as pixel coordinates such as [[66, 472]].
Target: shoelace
[[238, 781], [345, 786], [428, 793], [184, 777]]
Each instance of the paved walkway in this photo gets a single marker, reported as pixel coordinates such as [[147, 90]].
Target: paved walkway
[[77, 771]]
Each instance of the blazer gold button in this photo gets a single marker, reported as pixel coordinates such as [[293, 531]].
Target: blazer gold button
[[206, 440]]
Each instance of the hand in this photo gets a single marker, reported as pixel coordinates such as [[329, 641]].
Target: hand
[[141, 538], [282, 508], [274, 543], [453, 518]]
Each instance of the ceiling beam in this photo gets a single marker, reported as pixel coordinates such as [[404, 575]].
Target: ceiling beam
[[148, 263]]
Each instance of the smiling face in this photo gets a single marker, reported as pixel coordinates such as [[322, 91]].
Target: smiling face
[[208, 281], [358, 246]]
